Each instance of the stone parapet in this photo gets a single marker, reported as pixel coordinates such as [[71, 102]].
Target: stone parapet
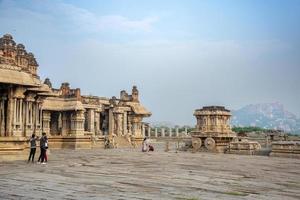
[[244, 147], [290, 149]]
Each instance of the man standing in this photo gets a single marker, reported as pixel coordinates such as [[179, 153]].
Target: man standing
[[43, 147], [32, 141]]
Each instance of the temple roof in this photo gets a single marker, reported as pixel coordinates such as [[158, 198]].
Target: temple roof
[[18, 77], [60, 104]]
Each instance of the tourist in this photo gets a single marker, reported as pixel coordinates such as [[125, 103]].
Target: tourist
[[43, 147], [32, 141], [145, 145]]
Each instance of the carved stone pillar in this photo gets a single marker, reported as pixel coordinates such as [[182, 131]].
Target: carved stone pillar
[[46, 122], [77, 123], [111, 122], [17, 124], [149, 131], [125, 128], [15, 113], [155, 132], [130, 128], [2, 116], [143, 130], [98, 130], [163, 132], [91, 121], [177, 131], [10, 111], [64, 128], [185, 130], [119, 123], [170, 132]]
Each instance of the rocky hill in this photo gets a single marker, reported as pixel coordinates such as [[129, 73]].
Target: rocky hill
[[266, 115]]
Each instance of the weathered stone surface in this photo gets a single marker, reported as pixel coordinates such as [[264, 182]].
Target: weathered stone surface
[[131, 174]]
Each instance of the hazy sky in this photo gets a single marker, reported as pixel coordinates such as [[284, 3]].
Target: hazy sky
[[182, 55]]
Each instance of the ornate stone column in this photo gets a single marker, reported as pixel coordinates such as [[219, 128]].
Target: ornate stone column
[[91, 121], [46, 121], [119, 123], [143, 130], [125, 128], [170, 132], [77, 123], [185, 130], [149, 131], [2, 116], [130, 128], [98, 130], [64, 119], [155, 132], [10, 112], [163, 132], [111, 121]]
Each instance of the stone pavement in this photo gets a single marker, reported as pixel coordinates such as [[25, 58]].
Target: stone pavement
[[130, 174]]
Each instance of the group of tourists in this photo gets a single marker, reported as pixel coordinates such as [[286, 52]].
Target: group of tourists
[[43, 148]]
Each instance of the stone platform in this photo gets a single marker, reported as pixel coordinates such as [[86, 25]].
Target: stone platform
[[131, 174], [290, 149]]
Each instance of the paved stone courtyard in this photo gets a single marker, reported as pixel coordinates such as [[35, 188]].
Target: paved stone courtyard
[[130, 174]]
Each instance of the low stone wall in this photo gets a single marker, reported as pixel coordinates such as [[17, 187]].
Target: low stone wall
[[70, 142], [243, 147], [289, 149]]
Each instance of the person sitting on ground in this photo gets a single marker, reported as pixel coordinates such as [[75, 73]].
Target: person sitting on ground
[[145, 145], [151, 148]]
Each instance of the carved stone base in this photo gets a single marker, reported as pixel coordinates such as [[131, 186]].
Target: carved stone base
[[13, 148], [70, 142]]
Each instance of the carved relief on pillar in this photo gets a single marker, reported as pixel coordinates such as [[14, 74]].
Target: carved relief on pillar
[[118, 123], [3, 99], [137, 126], [91, 120], [77, 123], [46, 121], [97, 123], [18, 115], [10, 112], [125, 128]]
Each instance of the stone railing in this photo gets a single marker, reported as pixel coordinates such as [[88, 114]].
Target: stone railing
[[164, 132]]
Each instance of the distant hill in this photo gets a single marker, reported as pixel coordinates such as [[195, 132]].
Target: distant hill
[[268, 116]]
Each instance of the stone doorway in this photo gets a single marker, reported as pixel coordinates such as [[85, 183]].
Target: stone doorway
[[104, 122]]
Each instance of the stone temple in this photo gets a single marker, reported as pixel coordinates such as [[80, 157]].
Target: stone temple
[[71, 120]]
